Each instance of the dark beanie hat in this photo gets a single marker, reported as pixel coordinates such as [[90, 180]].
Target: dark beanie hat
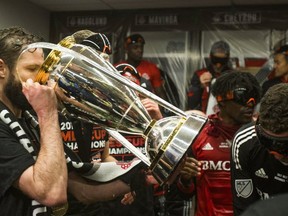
[[220, 47]]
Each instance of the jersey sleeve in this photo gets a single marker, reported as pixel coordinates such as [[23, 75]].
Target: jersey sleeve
[[14, 158], [243, 191], [156, 79]]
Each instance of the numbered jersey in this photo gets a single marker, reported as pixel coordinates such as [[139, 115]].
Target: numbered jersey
[[256, 174]]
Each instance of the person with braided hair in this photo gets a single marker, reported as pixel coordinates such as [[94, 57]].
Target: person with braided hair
[[207, 168], [259, 163]]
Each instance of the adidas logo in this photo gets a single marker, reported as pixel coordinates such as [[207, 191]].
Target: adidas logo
[[144, 85], [207, 147], [261, 173]]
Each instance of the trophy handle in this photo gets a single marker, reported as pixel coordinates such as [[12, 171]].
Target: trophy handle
[[116, 135], [53, 58]]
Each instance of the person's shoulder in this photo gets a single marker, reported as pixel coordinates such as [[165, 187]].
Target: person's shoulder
[[245, 138], [272, 81], [245, 144], [246, 135], [4, 128], [6, 133], [120, 62], [274, 206], [148, 63], [269, 83], [246, 129], [3, 125], [149, 67]]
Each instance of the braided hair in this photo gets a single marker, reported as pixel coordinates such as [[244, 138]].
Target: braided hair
[[232, 79], [274, 109]]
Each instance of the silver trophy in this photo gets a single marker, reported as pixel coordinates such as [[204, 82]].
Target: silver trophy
[[91, 89]]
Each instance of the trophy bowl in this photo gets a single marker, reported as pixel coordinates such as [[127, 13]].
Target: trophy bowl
[[91, 89]]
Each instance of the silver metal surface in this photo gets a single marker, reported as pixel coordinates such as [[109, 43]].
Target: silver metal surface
[[166, 157], [91, 89], [129, 146]]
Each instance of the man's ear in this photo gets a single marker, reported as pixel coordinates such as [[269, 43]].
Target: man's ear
[[3, 69]]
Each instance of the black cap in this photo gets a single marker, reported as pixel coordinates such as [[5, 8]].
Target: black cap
[[124, 67], [135, 38], [129, 72], [99, 42]]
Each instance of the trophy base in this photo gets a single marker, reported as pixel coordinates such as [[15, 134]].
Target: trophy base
[[179, 136]]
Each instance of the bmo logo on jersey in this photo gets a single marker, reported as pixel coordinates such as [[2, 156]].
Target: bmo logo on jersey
[[219, 165]]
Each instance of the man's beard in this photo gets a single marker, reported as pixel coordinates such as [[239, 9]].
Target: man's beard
[[13, 91]]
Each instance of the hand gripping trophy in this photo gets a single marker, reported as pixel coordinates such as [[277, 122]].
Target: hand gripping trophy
[[91, 89]]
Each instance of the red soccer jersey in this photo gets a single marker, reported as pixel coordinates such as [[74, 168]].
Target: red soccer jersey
[[151, 72], [213, 186]]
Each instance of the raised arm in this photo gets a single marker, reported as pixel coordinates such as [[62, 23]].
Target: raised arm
[[46, 180]]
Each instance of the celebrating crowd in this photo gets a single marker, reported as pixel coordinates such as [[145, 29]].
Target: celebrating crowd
[[52, 163]]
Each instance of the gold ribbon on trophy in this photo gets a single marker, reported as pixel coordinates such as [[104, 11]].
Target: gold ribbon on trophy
[[91, 89]]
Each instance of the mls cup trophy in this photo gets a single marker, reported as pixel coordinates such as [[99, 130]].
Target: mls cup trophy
[[91, 89]]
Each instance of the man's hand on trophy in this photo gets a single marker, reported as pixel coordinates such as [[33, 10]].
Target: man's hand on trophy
[[41, 98], [152, 108], [190, 169]]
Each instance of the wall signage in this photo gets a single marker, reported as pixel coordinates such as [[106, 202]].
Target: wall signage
[[84, 21], [229, 18], [156, 20]]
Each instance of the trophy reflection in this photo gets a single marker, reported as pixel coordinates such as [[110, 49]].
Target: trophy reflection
[[91, 89]]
